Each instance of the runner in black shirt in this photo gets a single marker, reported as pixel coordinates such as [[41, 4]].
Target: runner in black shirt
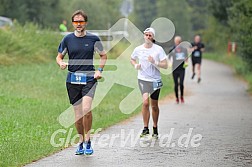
[[198, 48], [82, 77]]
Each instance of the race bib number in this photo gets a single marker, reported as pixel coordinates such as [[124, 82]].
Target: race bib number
[[196, 54], [157, 85], [180, 56], [78, 78]]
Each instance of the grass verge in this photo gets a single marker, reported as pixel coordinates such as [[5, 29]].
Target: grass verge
[[240, 67]]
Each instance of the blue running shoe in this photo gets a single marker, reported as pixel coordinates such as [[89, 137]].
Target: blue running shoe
[[80, 149], [88, 150]]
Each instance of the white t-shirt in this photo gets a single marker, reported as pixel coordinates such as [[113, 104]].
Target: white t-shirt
[[148, 71]]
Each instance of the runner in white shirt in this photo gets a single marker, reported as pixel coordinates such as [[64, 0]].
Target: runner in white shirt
[[150, 58]]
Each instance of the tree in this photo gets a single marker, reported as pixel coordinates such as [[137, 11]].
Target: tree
[[198, 14], [178, 12], [43, 12], [217, 31], [240, 15], [219, 10], [145, 12], [100, 13]]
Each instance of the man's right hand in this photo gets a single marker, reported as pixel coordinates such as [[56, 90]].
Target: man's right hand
[[63, 65], [137, 66]]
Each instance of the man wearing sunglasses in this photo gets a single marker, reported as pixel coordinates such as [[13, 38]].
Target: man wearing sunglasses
[[150, 58], [82, 77]]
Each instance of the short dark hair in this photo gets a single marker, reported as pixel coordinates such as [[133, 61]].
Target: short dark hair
[[80, 12]]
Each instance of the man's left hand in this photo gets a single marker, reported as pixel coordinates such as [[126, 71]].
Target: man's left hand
[[97, 75]]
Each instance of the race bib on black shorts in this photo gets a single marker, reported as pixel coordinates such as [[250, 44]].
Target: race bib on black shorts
[[78, 78]]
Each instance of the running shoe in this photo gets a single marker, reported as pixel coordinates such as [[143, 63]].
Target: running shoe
[[88, 150], [199, 79], [145, 133], [80, 149], [155, 133], [193, 75], [155, 136], [182, 100], [177, 100]]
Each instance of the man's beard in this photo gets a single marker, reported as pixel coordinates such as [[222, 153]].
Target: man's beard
[[80, 31]]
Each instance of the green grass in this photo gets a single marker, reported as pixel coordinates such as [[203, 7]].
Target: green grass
[[31, 97], [240, 67]]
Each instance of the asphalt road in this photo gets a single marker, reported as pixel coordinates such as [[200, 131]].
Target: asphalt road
[[212, 128]]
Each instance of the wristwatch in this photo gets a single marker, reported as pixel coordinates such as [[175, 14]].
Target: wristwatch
[[100, 69]]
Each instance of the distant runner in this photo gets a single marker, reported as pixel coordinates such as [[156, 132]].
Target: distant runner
[[179, 57], [198, 48]]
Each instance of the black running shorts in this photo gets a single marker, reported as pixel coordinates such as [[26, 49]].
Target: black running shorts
[[196, 60], [77, 91]]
